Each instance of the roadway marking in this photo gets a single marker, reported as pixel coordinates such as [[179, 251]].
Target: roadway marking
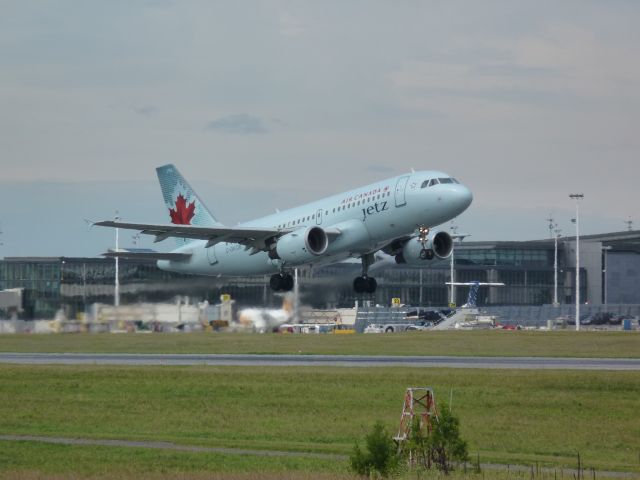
[[629, 364]]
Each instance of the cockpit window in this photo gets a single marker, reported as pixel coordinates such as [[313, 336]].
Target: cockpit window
[[436, 181], [454, 180]]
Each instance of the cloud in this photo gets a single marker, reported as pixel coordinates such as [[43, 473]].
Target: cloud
[[379, 168], [146, 110], [290, 25], [238, 123]]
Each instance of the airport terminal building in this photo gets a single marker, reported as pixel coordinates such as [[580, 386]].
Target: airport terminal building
[[610, 273]]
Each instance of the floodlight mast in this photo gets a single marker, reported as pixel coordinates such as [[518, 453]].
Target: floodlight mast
[[454, 231], [605, 267], [455, 236], [555, 265], [116, 291], [577, 197]]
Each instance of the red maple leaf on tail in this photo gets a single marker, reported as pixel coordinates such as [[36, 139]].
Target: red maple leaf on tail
[[182, 214]]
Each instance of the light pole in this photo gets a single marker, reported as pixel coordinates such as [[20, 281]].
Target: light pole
[[116, 292], [605, 266], [577, 197], [555, 265], [452, 300], [455, 236]]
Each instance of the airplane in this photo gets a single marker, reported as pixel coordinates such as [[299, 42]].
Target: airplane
[[395, 216]]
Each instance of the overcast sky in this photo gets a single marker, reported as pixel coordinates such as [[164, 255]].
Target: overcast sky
[[268, 104]]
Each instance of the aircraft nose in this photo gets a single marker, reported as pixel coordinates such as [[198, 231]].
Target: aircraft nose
[[462, 197]]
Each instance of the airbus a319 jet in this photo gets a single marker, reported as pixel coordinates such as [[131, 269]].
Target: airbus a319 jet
[[396, 216]]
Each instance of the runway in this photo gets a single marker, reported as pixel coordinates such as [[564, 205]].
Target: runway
[[535, 363]]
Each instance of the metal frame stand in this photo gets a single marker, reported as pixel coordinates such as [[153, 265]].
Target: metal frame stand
[[421, 402]]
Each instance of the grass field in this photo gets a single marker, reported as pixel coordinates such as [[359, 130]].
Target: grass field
[[515, 417], [482, 343]]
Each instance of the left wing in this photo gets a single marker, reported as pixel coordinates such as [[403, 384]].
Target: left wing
[[256, 238], [142, 254]]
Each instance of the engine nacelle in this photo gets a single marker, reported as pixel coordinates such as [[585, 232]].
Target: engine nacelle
[[301, 246], [437, 245]]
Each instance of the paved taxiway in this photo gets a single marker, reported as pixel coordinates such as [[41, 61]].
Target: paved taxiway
[[322, 360]]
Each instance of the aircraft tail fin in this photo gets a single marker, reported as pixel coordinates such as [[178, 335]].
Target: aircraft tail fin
[[472, 299], [182, 202]]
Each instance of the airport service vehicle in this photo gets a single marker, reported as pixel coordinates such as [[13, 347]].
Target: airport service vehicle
[[395, 215], [393, 327]]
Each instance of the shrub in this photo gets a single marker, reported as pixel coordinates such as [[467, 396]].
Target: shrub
[[380, 456], [445, 444]]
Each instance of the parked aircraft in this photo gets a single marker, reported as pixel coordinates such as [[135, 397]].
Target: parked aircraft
[[395, 216]]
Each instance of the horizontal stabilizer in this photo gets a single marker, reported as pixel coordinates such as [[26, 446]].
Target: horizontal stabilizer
[[145, 254]]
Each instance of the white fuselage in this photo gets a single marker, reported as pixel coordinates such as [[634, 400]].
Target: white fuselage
[[368, 218]]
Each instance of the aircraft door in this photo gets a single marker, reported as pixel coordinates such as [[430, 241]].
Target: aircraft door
[[211, 255], [319, 217], [401, 187]]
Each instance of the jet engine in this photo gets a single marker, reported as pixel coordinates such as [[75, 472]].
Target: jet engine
[[301, 246], [413, 252]]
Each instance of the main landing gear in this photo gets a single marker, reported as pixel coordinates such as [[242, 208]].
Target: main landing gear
[[281, 282], [365, 283]]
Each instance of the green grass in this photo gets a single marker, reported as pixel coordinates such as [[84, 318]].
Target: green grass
[[38, 461], [515, 417], [29, 460], [482, 343]]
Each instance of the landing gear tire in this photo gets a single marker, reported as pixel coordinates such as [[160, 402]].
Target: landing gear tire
[[359, 284], [371, 285], [281, 282], [365, 285], [426, 254], [288, 283]]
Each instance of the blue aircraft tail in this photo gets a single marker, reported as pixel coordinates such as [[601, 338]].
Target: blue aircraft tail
[[472, 299]]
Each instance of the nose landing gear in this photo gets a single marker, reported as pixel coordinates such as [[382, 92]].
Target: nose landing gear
[[423, 236]]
